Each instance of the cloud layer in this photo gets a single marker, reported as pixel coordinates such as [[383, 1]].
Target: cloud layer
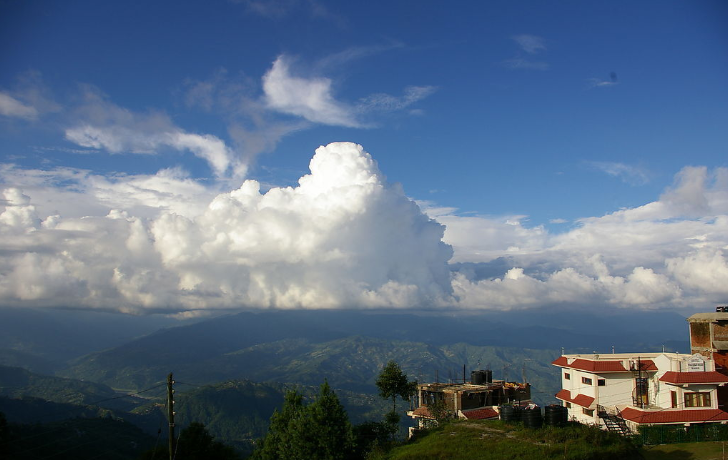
[[666, 254], [343, 238]]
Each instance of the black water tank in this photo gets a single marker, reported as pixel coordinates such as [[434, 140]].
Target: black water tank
[[477, 377], [532, 418], [488, 375], [556, 415], [510, 413]]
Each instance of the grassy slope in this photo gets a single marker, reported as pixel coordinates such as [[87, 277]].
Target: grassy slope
[[485, 440], [687, 451]]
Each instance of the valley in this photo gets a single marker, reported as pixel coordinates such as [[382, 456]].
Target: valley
[[233, 371]]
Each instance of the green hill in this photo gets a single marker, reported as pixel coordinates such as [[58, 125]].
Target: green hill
[[350, 363], [235, 412], [16, 382], [76, 439], [349, 348]]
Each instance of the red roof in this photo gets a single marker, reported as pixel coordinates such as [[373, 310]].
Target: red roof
[[674, 416], [693, 377], [580, 399], [480, 414], [598, 366]]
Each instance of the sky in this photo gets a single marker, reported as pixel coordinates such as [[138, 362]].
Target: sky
[[194, 157]]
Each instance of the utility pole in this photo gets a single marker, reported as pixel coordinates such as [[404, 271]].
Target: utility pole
[[170, 414]]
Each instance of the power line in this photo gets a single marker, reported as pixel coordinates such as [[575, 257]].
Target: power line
[[9, 442]]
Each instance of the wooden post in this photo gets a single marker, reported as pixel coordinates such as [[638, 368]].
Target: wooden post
[[170, 415]]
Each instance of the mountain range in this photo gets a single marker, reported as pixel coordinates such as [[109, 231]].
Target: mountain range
[[232, 371]]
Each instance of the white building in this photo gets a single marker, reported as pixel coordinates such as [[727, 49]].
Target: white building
[[615, 391]]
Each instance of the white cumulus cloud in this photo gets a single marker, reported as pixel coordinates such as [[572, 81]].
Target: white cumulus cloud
[[104, 125], [665, 254], [310, 98], [343, 237]]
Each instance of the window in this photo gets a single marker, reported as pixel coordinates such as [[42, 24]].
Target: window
[[586, 380], [567, 376], [601, 382], [589, 412], [568, 405], [673, 396], [697, 399]]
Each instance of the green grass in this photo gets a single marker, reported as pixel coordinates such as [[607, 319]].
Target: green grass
[[686, 451], [467, 440]]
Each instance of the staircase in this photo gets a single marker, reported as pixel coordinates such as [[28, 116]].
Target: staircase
[[613, 422]]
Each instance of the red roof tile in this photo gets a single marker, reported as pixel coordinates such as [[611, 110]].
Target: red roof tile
[[583, 400], [480, 414], [674, 416], [601, 365], [598, 366], [580, 399], [693, 377]]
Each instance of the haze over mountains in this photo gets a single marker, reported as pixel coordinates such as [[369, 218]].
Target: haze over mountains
[[233, 370], [347, 347]]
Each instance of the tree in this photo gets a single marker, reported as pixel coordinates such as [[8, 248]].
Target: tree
[[333, 430], [392, 382], [4, 433], [195, 443], [318, 431]]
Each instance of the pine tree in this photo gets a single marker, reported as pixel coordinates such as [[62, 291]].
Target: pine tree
[[333, 430], [318, 431]]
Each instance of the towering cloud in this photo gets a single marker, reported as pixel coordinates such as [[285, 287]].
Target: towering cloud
[[343, 237]]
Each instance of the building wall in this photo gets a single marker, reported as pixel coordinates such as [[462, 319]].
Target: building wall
[[619, 387], [700, 337], [617, 390], [704, 332], [576, 386]]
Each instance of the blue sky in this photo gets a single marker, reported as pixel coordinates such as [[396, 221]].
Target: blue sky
[[525, 128]]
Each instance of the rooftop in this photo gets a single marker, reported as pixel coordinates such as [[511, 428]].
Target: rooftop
[[465, 387], [480, 414], [714, 316], [622, 362], [679, 378], [579, 399], [674, 415]]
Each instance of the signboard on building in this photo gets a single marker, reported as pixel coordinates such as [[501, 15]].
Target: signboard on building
[[696, 363]]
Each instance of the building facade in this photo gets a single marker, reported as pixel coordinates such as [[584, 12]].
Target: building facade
[[479, 399], [641, 389]]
